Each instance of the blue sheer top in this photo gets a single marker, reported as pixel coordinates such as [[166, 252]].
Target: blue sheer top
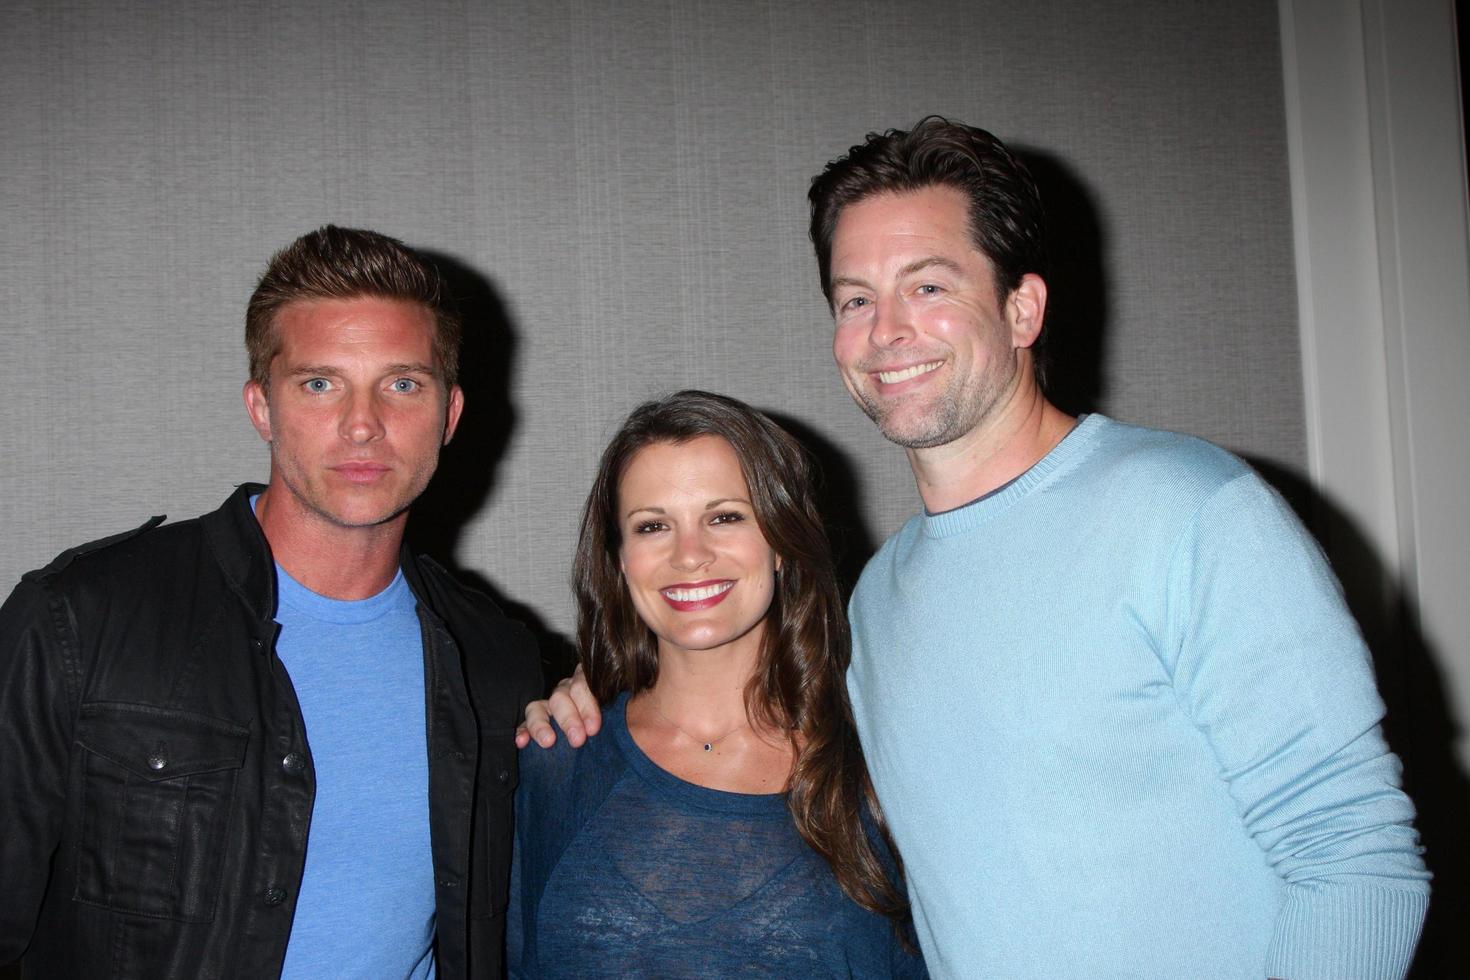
[[624, 870]]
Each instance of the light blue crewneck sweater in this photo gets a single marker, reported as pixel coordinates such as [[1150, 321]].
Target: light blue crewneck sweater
[[1121, 725]]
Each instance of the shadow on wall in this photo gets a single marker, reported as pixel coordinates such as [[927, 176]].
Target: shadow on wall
[[1420, 724], [1078, 303], [466, 476], [839, 497]]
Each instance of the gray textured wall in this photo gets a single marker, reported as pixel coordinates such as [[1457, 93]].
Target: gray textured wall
[[622, 186]]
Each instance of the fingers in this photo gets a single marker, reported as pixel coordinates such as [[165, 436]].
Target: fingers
[[536, 726], [564, 707], [587, 705], [573, 707]]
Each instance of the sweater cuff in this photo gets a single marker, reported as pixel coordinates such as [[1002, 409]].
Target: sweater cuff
[[1356, 932]]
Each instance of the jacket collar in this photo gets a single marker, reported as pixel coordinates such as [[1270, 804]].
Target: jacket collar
[[243, 554]]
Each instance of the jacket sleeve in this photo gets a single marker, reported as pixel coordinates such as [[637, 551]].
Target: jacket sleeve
[[38, 669], [1271, 667]]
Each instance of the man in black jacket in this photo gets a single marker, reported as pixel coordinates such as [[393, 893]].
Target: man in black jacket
[[272, 739]]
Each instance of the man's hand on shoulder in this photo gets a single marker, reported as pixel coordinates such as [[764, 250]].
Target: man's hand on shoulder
[[573, 707]]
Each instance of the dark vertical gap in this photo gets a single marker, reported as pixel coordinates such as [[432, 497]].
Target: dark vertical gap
[[1462, 23], [1432, 771]]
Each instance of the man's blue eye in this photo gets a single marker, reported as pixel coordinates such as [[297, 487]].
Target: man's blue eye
[[318, 385], [405, 385]]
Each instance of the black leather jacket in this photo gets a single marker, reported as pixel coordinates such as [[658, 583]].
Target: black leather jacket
[[155, 782]]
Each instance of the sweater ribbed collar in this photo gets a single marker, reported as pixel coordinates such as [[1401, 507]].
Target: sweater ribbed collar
[[1074, 445]]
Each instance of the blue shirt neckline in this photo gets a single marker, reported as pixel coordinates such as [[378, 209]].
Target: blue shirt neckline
[[747, 804]]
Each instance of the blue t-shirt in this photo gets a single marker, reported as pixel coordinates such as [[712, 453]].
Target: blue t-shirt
[[366, 907], [624, 870]]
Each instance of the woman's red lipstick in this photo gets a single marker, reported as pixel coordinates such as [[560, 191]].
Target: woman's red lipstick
[[691, 596]]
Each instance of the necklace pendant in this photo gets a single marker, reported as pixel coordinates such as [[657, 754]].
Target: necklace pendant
[[708, 746]]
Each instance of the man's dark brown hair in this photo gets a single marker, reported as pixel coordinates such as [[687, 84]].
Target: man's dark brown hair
[[1007, 224], [346, 263]]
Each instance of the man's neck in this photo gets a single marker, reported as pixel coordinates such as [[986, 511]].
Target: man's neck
[[994, 453], [330, 560]]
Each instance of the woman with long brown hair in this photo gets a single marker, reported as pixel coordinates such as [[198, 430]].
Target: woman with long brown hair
[[723, 823]]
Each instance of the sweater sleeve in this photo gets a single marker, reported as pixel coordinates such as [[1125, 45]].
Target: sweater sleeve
[[1271, 667], [518, 960], [542, 826], [559, 789], [905, 960]]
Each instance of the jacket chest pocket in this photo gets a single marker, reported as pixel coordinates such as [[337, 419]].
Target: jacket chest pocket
[[155, 808]]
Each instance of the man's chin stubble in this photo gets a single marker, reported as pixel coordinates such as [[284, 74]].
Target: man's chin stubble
[[934, 432]]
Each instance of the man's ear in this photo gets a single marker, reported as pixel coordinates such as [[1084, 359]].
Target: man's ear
[[452, 412], [259, 409], [1026, 310]]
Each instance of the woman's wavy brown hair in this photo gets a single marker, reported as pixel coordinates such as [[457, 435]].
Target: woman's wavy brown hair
[[798, 687]]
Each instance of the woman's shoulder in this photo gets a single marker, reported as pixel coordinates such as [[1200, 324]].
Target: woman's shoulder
[[562, 789], [559, 770]]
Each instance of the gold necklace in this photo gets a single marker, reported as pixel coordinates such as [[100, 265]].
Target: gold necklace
[[708, 746]]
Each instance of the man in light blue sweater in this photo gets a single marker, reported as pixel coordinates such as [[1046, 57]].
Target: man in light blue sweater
[[1168, 760], [1171, 762]]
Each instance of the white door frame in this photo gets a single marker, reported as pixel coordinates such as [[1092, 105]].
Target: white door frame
[[1382, 236]]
